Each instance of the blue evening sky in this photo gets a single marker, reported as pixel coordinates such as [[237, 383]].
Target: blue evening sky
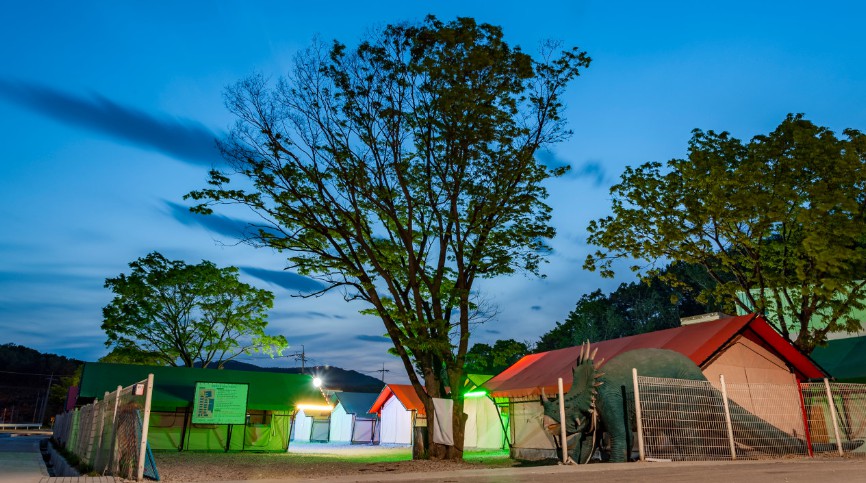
[[108, 111]]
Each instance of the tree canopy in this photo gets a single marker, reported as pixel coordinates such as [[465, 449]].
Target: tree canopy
[[778, 222], [487, 359], [177, 314], [400, 172], [634, 308]]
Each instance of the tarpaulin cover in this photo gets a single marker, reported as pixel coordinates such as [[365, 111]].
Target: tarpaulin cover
[[443, 431]]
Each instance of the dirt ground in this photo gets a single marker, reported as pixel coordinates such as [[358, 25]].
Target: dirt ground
[[312, 461], [330, 462]]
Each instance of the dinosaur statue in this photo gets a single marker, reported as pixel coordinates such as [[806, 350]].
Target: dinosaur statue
[[599, 402]]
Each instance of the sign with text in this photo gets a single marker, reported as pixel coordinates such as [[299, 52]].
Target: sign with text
[[219, 403]]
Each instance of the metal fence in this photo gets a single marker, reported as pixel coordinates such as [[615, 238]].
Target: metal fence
[[110, 435], [702, 420]]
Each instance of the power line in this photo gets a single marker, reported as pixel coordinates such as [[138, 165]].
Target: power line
[[382, 371], [36, 374]]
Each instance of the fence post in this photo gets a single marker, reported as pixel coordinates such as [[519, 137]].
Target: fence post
[[112, 457], [145, 421], [832, 405], [728, 417], [562, 435], [637, 415]]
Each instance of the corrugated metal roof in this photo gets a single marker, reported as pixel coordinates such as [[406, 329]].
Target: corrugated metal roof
[[699, 342], [405, 393], [175, 386]]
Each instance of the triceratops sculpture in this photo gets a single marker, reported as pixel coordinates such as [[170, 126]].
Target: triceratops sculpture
[[599, 402]]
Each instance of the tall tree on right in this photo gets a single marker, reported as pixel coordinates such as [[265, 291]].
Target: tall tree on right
[[779, 223]]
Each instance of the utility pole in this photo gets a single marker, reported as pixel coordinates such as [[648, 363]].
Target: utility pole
[[383, 371], [300, 356], [45, 401]]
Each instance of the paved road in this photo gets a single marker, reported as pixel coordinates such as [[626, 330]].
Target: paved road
[[21, 462], [20, 459], [774, 471]]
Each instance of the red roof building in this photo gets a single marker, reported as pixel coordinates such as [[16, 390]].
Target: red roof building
[[744, 348]]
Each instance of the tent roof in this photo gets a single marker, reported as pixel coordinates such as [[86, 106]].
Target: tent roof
[[844, 359], [175, 386], [404, 393], [476, 380], [357, 403], [700, 342]]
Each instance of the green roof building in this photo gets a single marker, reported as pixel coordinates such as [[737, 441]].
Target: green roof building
[[272, 400]]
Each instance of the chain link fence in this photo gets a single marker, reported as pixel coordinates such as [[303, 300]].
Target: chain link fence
[[110, 435], [703, 420]]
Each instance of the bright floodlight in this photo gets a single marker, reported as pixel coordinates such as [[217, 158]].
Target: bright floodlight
[[317, 382]]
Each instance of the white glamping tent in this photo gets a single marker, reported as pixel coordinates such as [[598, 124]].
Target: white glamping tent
[[350, 421], [302, 427], [397, 407], [483, 430]]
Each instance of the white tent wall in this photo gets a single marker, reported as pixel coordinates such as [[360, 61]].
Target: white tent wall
[[483, 426], [364, 431], [531, 440], [302, 427], [341, 425], [396, 423]]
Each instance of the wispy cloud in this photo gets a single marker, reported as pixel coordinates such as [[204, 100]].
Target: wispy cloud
[[183, 139], [592, 170], [285, 279], [372, 338], [222, 225]]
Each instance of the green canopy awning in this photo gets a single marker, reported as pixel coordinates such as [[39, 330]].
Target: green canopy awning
[[175, 386]]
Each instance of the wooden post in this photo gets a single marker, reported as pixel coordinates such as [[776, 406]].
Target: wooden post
[[832, 405], [728, 417], [562, 434], [145, 421], [637, 416]]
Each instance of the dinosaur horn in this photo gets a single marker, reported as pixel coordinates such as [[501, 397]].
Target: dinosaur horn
[[598, 363], [594, 352], [580, 359]]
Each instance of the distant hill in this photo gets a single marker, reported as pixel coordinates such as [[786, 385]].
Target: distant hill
[[24, 377], [332, 377]]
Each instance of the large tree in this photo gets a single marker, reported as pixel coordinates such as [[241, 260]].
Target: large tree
[[400, 172], [779, 223], [177, 314]]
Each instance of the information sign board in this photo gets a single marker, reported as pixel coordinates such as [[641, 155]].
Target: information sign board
[[219, 403]]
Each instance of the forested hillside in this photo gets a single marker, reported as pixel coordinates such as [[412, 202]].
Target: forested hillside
[[25, 376]]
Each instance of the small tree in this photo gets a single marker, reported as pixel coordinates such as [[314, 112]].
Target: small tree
[[778, 223], [401, 172], [178, 314]]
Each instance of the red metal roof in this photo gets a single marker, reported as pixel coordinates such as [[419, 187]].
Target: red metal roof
[[699, 342], [405, 393]]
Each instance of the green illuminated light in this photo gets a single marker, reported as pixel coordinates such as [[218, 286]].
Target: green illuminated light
[[474, 394]]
